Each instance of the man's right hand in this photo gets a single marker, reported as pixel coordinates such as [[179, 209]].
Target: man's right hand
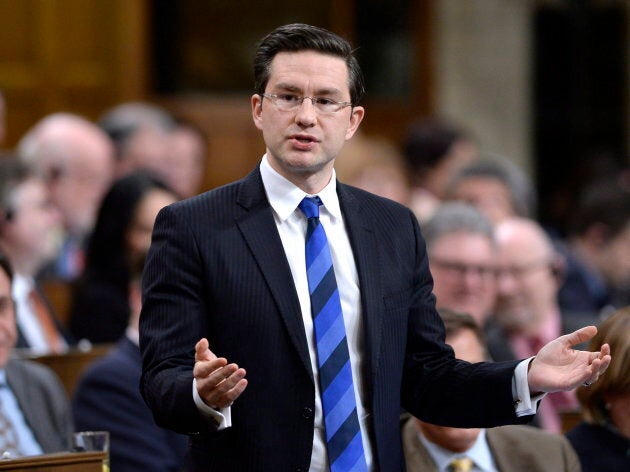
[[218, 383]]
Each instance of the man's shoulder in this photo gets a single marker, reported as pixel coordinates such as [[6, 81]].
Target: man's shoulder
[[31, 372], [370, 203], [527, 437]]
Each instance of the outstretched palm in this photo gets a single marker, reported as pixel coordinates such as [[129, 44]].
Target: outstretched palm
[[560, 367]]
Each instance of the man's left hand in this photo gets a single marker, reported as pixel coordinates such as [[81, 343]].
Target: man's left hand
[[558, 366]]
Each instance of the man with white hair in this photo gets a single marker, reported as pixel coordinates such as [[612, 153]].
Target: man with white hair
[[76, 159]]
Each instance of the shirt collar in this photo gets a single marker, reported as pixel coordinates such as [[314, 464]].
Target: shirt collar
[[284, 196], [479, 452], [22, 286], [3, 378]]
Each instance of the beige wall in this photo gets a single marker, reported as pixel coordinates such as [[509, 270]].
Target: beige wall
[[482, 73]]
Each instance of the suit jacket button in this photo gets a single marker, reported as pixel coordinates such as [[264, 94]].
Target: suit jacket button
[[307, 413]]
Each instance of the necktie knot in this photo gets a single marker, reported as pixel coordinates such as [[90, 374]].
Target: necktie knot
[[310, 206], [461, 464]]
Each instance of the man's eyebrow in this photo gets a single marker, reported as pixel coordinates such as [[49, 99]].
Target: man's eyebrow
[[293, 88]]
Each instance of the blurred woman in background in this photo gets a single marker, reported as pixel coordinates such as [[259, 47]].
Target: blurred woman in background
[[602, 440], [100, 303]]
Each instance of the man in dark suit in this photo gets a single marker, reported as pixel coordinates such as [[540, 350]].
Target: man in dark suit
[[29, 226], [514, 448], [226, 274], [34, 408], [107, 398]]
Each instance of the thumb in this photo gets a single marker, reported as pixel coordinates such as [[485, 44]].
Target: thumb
[[203, 352], [581, 335]]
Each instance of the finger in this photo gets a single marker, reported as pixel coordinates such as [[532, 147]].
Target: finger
[[221, 375], [204, 369], [227, 391], [581, 335], [202, 351]]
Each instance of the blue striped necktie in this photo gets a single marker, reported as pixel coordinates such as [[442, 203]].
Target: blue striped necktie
[[343, 435]]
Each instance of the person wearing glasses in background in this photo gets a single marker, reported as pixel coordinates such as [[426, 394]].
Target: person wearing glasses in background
[[527, 314], [462, 258], [283, 340]]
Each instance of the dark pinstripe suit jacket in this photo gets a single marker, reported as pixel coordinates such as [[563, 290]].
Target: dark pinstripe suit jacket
[[217, 269]]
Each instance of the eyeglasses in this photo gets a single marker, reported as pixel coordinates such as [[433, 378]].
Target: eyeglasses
[[520, 271], [291, 102], [463, 269]]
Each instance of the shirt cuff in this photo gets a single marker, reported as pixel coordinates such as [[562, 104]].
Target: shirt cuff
[[221, 418], [524, 403]]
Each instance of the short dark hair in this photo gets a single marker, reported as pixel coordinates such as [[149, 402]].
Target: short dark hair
[[13, 172], [606, 202], [6, 265], [428, 141], [300, 37], [456, 322]]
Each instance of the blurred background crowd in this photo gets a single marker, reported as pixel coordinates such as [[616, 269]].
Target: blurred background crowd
[[502, 124]]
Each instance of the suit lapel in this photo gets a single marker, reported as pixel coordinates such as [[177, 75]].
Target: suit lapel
[[30, 405], [261, 235], [503, 451], [367, 257]]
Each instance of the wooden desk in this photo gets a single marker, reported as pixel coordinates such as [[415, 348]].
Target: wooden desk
[[70, 365], [58, 462]]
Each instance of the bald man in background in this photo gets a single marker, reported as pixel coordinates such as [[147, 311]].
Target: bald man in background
[[527, 314], [76, 159]]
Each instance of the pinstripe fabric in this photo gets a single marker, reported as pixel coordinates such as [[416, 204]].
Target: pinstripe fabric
[[343, 435]]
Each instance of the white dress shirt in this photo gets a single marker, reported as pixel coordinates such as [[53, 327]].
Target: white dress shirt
[[26, 442], [26, 318]]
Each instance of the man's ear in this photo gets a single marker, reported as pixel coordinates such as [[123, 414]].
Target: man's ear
[[256, 102], [559, 268]]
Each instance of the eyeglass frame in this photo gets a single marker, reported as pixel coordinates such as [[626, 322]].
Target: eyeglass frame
[[273, 97], [461, 269]]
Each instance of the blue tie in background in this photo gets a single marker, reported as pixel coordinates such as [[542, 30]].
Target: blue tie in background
[[343, 435]]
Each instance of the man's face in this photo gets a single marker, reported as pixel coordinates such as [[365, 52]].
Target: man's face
[[466, 347], [527, 287], [83, 179], [32, 234], [302, 144], [8, 333], [614, 260], [463, 268], [489, 195]]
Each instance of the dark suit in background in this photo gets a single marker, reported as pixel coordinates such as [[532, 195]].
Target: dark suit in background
[[107, 398], [43, 402], [217, 269]]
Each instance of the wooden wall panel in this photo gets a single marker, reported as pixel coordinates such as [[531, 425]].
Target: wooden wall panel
[[69, 55]]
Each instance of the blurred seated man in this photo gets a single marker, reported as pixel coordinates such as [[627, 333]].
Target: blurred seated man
[[434, 149], [375, 165], [598, 251], [432, 448], [141, 135], [34, 408], [75, 158], [462, 257], [29, 236], [498, 187], [186, 161], [527, 314], [108, 398]]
